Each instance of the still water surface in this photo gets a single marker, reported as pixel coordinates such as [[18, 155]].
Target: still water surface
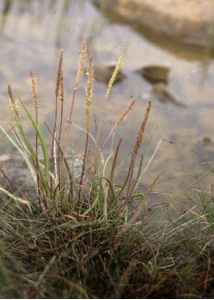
[[31, 34]]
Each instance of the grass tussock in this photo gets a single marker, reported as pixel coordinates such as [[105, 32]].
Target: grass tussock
[[82, 237]]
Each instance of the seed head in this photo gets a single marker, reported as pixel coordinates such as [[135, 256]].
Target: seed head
[[59, 73], [89, 92], [140, 134], [34, 90]]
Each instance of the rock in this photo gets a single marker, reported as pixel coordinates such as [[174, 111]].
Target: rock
[[155, 73], [204, 149], [103, 74], [190, 22], [165, 95], [207, 141]]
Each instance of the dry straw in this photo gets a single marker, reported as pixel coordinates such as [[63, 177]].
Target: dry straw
[[116, 70]]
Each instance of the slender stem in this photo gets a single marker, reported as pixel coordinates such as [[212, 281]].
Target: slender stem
[[60, 158], [53, 140], [83, 167]]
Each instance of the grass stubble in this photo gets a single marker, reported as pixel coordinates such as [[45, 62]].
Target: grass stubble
[[82, 238]]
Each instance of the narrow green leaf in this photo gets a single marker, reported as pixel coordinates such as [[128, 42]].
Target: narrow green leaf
[[41, 139]]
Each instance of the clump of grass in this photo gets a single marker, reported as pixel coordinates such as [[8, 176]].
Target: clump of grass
[[81, 238]]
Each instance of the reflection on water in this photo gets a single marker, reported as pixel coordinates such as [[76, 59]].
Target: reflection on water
[[31, 33], [5, 11]]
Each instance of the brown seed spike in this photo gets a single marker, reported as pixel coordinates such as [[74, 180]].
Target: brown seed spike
[[62, 86], [140, 134], [14, 106], [10, 93], [120, 119], [82, 56], [124, 113], [89, 92], [59, 73], [34, 90]]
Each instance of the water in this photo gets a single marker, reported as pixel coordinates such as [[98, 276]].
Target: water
[[31, 34]]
